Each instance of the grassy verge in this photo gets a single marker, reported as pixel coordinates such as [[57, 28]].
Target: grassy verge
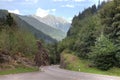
[[76, 64], [19, 70]]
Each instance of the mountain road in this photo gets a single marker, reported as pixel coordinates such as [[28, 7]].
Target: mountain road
[[55, 73]]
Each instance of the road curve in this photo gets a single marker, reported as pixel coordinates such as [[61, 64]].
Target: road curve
[[55, 73]]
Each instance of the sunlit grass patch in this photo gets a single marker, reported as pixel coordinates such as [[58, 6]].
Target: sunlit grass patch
[[76, 64]]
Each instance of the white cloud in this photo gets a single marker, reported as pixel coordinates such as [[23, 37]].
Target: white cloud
[[42, 12], [32, 1], [68, 5], [7, 0], [53, 10], [60, 0], [68, 0], [78, 0], [57, 0], [16, 11]]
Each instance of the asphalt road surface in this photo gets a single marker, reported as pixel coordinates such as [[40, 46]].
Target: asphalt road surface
[[55, 73]]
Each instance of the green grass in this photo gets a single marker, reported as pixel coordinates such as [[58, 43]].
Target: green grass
[[76, 64], [19, 70]]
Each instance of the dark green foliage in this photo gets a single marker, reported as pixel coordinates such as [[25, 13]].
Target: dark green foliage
[[53, 53], [103, 53], [67, 43], [106, 54], [9, 20], [104, 62], [6, 20], [110, 18], [83, 32], [117, 55], [3, 14], [86, 37]]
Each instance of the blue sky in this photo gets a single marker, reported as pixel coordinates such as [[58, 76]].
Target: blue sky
[[62, 8]]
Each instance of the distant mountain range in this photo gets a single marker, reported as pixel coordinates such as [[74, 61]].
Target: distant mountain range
[[38, 34], [46, 29], [49, 28], [56, 22]]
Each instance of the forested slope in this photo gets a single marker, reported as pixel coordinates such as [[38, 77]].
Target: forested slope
[[95, 35]]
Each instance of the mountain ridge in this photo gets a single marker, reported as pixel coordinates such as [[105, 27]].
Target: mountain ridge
[[56, 22], [54, 33]]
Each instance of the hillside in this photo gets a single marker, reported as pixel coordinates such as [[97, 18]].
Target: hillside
[[55, 22], [95, 36], [48, 30]]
